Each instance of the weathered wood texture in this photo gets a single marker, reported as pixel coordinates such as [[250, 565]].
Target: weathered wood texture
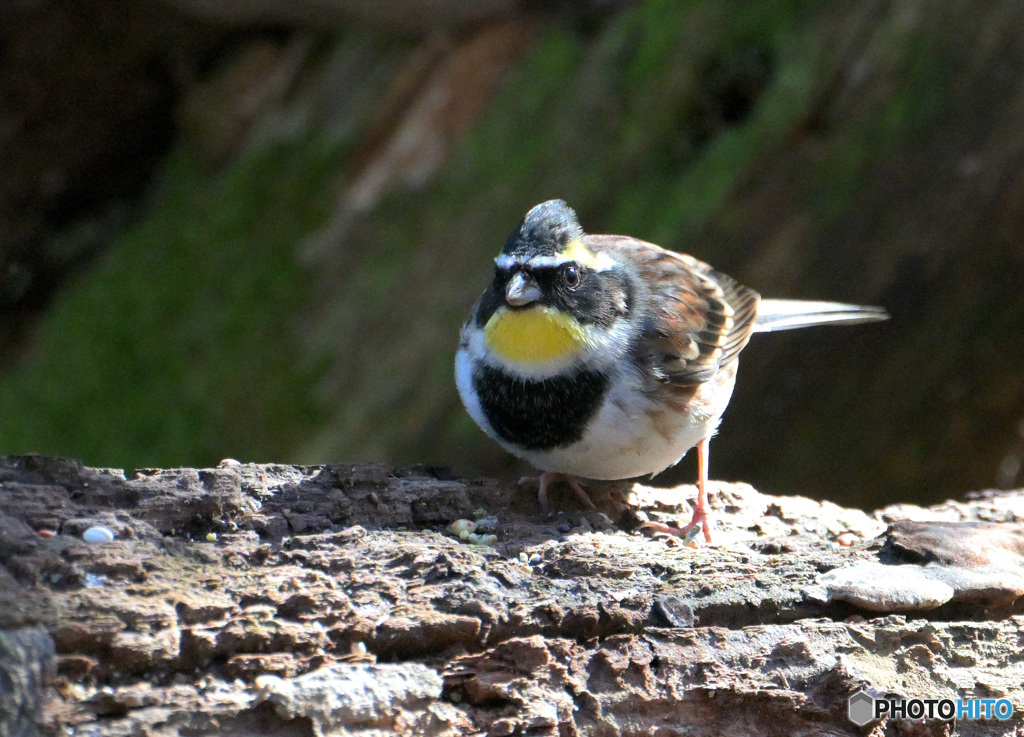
[[328, 600]]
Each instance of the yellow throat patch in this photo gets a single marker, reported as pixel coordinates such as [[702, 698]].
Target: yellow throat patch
[[535, 335]]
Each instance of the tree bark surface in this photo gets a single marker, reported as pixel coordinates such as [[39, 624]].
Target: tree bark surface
[[330, 600]]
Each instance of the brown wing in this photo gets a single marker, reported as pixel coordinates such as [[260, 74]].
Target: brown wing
[[698, 319]]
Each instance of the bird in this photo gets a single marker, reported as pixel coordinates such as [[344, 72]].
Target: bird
[[605, 357]]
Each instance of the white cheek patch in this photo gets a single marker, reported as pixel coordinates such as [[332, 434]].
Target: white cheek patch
[[608, 344]]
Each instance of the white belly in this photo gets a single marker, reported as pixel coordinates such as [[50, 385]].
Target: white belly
[[629, 437], [625, 441]]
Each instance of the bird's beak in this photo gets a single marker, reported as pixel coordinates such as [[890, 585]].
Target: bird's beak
[[522, 290]]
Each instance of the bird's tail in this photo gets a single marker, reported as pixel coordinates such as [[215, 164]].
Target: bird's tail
[[787, 314]]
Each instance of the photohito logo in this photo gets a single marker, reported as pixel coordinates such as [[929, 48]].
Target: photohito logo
[[863, 708]]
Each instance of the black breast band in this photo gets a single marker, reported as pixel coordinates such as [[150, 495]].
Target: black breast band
[[539, 414]]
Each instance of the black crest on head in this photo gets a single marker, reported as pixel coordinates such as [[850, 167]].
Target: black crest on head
[[545, 231]]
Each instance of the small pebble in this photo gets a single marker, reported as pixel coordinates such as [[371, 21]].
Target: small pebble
[[46, 533], [462, 525], [229, 463], [564, 527], [98, 534], [358, 648], [524, 558], [486, 524], [884, 588], [94, 580], [846, 539], [266, 683], [488, 539], [690, 538], [211, 537]]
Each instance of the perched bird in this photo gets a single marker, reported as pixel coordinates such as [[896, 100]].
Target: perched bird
[[605, 357]]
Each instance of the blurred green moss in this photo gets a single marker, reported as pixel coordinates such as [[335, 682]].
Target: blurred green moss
[[199, 335], [178, 346]]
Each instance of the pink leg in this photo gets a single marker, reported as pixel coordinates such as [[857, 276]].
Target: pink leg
[[547, 478], [701, 511]]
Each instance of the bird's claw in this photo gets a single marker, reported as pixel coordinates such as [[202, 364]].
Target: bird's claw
[[548, 478]]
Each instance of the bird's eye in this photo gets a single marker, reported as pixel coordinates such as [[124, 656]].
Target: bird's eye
[[570, 276]]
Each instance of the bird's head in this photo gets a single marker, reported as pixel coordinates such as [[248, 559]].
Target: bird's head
[[552, 297]]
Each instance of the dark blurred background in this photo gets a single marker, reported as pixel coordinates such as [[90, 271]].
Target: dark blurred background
[[251, 229]]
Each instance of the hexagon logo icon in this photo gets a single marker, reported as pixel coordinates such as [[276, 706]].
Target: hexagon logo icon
[[861, 708]]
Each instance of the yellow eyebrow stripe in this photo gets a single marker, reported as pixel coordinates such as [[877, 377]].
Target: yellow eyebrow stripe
[[578, 252]]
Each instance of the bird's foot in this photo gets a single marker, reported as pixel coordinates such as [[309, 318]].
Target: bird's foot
[[685, 537], [700, 522], [548, 478]]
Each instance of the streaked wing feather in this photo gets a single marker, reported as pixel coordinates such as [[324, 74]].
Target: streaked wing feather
[[699, 319]]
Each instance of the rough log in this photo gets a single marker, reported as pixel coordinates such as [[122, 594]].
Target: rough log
[[330, 600]]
